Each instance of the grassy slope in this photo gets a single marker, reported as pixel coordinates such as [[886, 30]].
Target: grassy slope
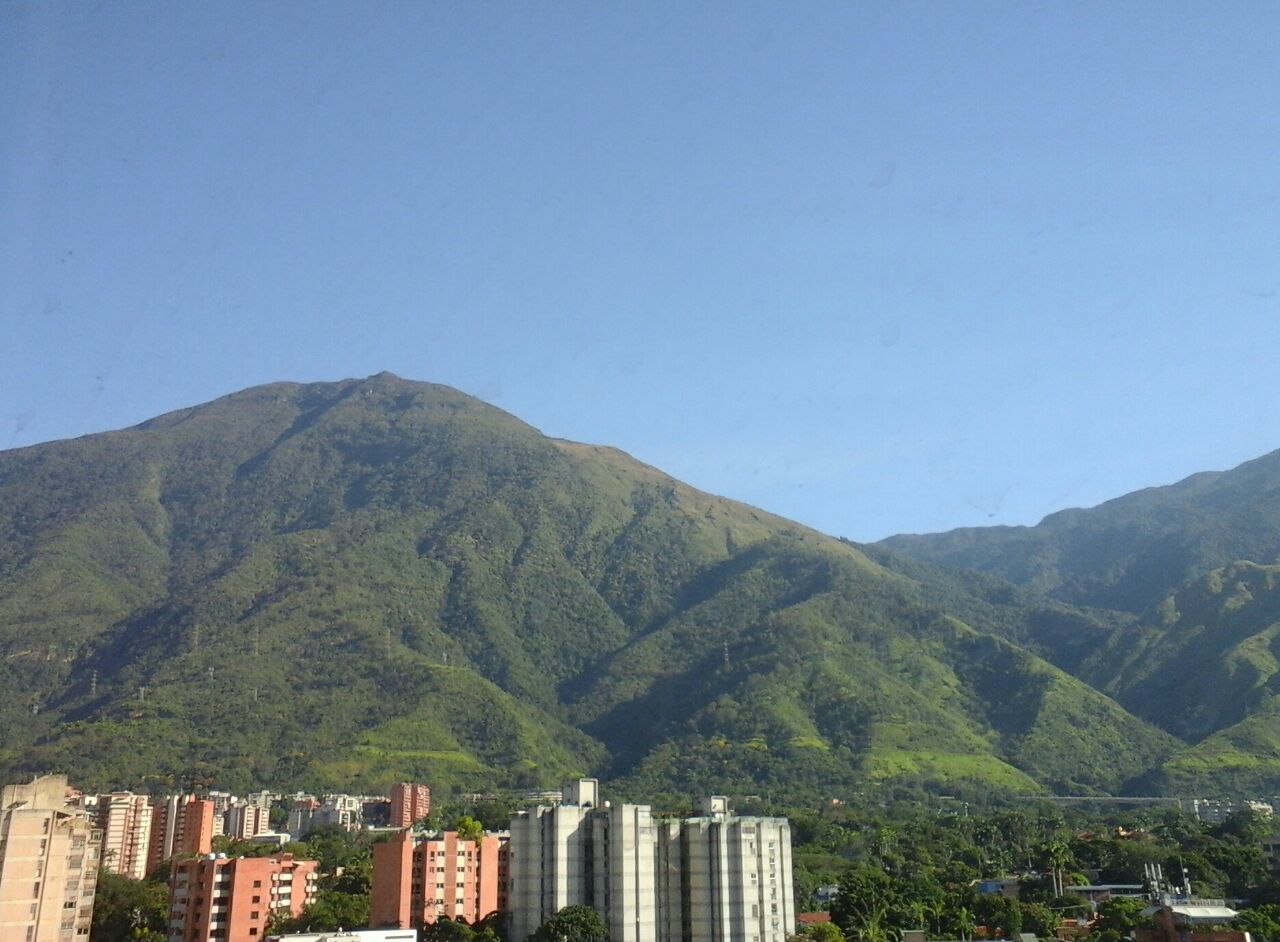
[[345, 584]]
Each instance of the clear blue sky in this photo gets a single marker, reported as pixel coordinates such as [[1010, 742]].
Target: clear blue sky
[[877, 267]]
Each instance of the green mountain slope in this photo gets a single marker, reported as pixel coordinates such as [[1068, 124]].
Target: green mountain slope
[[1204, 664], [1193, 646], [1204, 658], [1128, 553], [344, 584]]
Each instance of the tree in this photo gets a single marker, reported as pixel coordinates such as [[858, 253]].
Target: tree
[[126, 910], [1261, 922], [468, 828], [821, 932], [1001, 915], [330, 910], [1040, 920], [1120, 915], [861, 909], [572, 924], [446, 930]]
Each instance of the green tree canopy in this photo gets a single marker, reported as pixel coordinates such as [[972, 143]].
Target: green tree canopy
[[572, 924], [126, 910], [468, 828], [1261, 922]]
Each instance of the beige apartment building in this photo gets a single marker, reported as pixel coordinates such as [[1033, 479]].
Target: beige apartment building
[[49, 857], [125, 821]]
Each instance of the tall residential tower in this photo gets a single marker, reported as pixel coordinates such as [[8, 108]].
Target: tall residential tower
[[49, 857]]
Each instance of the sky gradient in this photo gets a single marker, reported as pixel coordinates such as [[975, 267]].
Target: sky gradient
[[876, 267]]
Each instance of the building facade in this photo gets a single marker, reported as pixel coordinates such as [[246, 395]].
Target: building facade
[[579, 853], [49, 857], [219, 899], [725, 878], [715, 877], [181, 825], [307, 814], [125, 821], [247, 820], [410, 803], [420, 879]]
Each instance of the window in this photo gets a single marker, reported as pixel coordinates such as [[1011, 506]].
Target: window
[[255, 914], [256, 899], [257, 883]]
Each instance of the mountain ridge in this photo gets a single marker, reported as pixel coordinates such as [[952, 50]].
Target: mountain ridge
[[343, 584]]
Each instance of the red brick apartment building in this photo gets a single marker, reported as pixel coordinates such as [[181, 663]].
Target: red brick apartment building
[[410, 803], [216, 899], [419, 880]]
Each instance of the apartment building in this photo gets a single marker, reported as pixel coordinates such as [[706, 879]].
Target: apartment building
[[49, 857], [714, 877], [307, 814], [125, 821], [418, 879], [244, 821], [410, 803], [581, 853], [724, 878], [219, 899], [181, 825]]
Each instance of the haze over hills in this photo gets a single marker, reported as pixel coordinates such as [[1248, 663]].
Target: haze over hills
[[338, 585]]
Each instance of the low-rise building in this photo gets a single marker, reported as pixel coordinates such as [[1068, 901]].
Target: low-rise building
[[349, 935]]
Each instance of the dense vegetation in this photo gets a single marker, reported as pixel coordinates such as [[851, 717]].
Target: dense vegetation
[[1127, 553], [909, 867], [1193, 643], [336, 586]]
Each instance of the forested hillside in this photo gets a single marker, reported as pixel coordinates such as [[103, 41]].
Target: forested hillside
[[343, 584], [1190, 574]]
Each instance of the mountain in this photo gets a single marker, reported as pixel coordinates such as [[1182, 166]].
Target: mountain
[[1194, 648], [1127, 553], [338, 585], [1204, 664]]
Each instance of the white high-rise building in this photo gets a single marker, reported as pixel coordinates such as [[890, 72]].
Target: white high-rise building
[[716, 877], [579, 853], [724, 878]]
